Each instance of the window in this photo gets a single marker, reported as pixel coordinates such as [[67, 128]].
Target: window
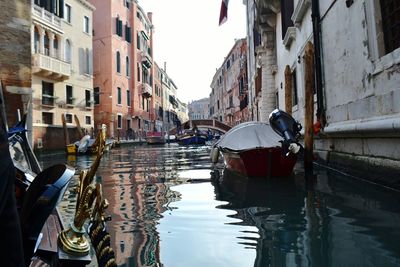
[[96, 95], [128, 98], [138, 72], [118, 62], [128, 71], [86, 24], [287, 8], [68, 13], [390, 23], [69, 96], [88, 120], [36, 41], [55, 46], [68, 118], [68, 50], [138, 40], [87, 98], [47, 117], [47, 93], [46, 45], [119, 95], [241, 86], [128, 35], [119, 126], [294, 88], [118, 26]]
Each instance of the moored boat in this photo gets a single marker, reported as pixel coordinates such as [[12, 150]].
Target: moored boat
[[154, 138], [257, 149]]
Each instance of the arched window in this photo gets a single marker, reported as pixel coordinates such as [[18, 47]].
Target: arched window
[[128, 71], [55, 45], [68, 51], [118, 62], [46, 45], [138, 72], [36, 41]]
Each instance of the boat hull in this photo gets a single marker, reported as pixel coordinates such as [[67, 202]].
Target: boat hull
[[155, 140], [260, 162], [192, 140]]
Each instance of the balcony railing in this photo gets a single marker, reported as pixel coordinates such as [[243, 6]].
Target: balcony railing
[[50, 67], [146, 90], [45, 16]]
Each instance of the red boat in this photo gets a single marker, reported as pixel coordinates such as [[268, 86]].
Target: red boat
[[257, 149], [154, 138]]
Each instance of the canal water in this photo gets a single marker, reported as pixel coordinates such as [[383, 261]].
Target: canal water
[[169, 208]]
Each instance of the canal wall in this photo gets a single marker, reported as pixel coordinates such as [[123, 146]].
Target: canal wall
[[372, 159]]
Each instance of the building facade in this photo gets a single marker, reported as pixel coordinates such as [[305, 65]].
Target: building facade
[[228, 100], [62, 81], [123, 67], [199, 109], [357, 83]]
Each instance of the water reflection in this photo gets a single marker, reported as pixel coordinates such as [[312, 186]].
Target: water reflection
[[167, 210]]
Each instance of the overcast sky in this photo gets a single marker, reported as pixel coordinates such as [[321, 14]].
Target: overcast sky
[[187, 37]]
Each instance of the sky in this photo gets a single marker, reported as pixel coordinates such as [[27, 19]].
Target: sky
[[188, 38]]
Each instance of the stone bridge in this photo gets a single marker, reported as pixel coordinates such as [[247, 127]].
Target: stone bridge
[[209, 124]]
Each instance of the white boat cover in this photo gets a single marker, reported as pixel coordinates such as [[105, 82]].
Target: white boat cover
[[249, 135]]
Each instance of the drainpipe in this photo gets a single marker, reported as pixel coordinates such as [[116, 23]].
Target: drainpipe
[[316, 21]]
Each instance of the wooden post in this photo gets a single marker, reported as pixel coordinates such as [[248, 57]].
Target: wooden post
[[288, 90], [78, 126], [66, 135], [309, 109]]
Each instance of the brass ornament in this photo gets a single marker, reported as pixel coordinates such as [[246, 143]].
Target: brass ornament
[[73, 239]]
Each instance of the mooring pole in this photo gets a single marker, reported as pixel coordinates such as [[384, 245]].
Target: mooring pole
[[66, 134], [309, 109], [288, 90]]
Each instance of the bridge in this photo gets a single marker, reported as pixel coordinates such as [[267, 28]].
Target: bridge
[[209, 124]]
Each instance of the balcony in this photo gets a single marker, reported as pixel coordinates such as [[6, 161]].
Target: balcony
[[50, 67], [147, 91], [146, 60], [46, 17]]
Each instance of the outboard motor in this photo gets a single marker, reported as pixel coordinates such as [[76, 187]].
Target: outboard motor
[[284, 125]]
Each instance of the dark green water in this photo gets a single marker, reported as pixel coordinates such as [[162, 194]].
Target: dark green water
[[167, 211]]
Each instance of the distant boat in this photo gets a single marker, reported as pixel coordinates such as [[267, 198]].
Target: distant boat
[[154, 138], [86, 145], [257, 149], [192, 138]]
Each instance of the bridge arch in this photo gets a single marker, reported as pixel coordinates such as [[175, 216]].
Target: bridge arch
[[206, 123]]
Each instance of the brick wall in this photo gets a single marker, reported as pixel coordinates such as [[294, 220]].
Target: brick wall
[[15, 51]]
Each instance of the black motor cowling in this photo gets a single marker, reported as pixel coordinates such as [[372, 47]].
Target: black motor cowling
[[287, 127]]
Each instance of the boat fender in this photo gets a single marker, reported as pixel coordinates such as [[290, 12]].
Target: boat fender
[[293, 148], [84, 144], [214, 154]]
